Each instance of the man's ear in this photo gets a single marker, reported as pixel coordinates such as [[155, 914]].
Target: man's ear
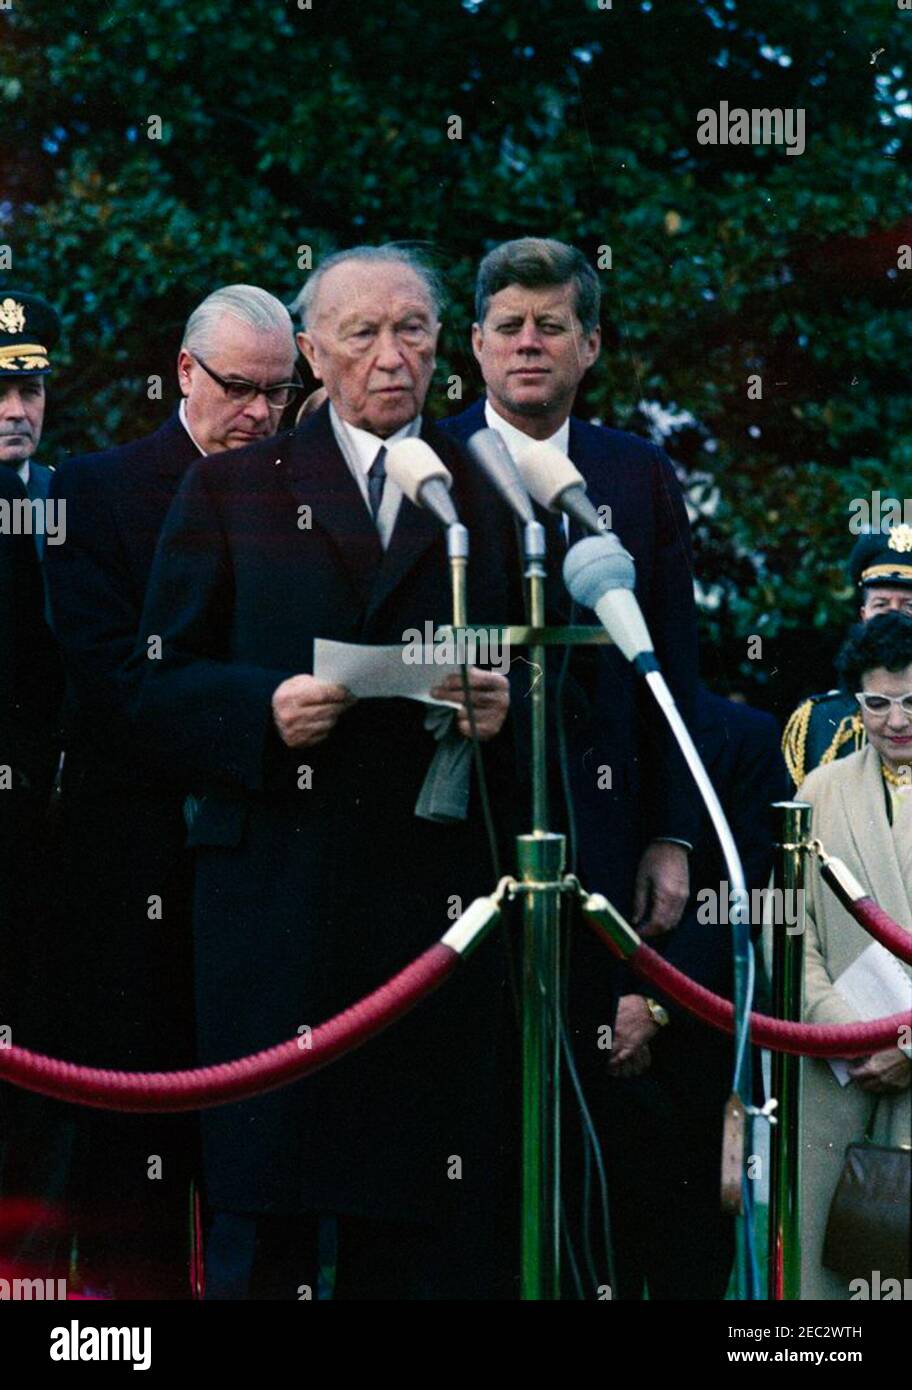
[[185, 366], [477, 340], [308, 352], [592, 346]]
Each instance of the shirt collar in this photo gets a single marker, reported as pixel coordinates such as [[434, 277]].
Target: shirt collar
[[24, 472], [182, 416], [363, 446], [516, 441]]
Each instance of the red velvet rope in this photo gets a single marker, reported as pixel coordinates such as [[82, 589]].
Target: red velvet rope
[[804, 1039], [204, 1087], [872, 918], [162, 1092]]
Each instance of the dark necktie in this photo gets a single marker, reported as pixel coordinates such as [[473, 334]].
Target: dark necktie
[[376, 477]]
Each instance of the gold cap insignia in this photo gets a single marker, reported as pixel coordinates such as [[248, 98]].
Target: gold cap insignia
[[12, 316], [900, 538]]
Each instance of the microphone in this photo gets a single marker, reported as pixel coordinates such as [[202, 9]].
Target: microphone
[[557, 485], [423, 477], [495, 460], [490, 452], [599, 573], [426, 481]]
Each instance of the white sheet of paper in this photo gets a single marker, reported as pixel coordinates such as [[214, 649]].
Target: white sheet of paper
[[378, 672], [875, 985]]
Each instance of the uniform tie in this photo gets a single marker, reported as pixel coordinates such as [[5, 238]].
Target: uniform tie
[[376, 477]]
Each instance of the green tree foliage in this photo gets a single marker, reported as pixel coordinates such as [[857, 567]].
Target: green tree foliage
[[288, 125]]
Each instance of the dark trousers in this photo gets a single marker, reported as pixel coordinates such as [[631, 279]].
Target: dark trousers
[[352, 1258], [36, 1134], [123, 995], [662, 1140], [670, 1237]]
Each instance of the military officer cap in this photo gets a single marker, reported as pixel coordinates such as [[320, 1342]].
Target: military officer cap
[[883, 559], [29, 329]]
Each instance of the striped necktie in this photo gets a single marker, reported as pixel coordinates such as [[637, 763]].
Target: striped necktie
[[376, 477]]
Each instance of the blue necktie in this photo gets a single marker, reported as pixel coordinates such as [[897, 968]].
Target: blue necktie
[[376, 477]]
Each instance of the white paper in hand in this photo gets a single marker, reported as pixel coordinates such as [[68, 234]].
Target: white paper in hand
[[374, 673], [875, 986]]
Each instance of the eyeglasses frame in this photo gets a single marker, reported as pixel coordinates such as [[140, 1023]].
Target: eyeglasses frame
[[255, 390]]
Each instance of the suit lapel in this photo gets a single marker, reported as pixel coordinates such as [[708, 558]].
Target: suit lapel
[[39, 483], [470, 421], [175, 451], [319, 478], [587, 459], [869, 831]]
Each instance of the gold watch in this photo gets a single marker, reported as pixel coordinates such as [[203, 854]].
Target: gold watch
[[657, 1012]]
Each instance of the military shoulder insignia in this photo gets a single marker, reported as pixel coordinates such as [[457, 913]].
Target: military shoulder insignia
[[12, 316], [794, 739], [823, 728]]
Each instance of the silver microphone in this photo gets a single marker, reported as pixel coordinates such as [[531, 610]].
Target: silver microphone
[[600, 574], [423, 477], [556, 484], [489, 451]]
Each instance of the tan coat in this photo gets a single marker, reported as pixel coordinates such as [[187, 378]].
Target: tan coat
[[850, 818]]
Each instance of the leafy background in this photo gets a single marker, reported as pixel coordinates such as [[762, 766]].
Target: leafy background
[[286, 126]]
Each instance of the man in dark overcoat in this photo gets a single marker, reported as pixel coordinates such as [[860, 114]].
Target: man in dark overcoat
[[315, 878], [124, 971]]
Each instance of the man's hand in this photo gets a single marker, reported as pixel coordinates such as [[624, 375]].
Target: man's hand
[[884, 1072], [662, 888], [638, 1062], [634, 1028], [305, 710], [490, 701]]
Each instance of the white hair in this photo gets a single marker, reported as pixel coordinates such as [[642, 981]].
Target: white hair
[[303, 303], [245, 303]]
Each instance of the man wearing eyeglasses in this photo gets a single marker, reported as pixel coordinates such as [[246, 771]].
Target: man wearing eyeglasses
[[126, 882]]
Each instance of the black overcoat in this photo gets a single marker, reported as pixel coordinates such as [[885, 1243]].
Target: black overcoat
[[315, 880], [124, 977]]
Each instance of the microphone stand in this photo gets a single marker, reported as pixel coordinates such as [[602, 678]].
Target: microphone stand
[[541, 860], [457, 538]]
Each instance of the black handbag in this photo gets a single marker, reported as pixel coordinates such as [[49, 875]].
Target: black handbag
[[869, 1219]]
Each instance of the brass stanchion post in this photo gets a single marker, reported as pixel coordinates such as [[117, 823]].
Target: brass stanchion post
[[784, 1275]]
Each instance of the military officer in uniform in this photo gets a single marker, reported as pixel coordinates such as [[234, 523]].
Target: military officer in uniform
[[29, 329], [828, 726], [35, 1134]]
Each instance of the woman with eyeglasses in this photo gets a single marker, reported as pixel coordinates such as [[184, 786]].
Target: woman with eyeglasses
[[862, 813]]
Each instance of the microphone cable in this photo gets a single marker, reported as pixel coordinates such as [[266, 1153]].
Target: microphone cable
[[592, 1149]]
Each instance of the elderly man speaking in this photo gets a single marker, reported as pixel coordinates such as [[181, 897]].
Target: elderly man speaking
[[382, 1176]]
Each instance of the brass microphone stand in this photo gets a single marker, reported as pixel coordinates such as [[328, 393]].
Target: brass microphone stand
[[541, 859]]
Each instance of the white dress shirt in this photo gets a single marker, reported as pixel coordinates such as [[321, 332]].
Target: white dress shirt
[[516, 441], [359, 449], [24, 472], [182, 416]]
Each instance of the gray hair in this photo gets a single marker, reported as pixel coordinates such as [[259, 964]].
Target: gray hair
[[245, 303], [537, 263], [303, 303]]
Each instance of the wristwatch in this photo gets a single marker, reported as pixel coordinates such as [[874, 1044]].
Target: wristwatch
[[657, 1012]]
